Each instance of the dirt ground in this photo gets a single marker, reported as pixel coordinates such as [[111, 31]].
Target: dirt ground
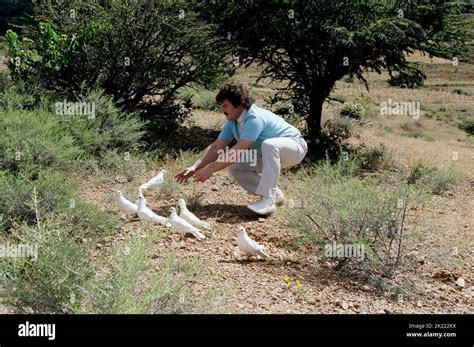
[[439, 251], [258, 286]]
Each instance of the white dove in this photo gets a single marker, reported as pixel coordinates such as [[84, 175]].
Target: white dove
[[190, 217], [183, 227], [125, 205], [140, 193], [147, 215], [154, 182], [249, 246]]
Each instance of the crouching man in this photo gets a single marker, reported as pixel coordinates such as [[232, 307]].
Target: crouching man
[[276, 144]]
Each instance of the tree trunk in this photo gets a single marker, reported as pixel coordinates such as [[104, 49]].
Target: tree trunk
[[313, 122]]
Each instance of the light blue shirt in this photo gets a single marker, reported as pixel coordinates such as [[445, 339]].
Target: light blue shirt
[[257, 124]]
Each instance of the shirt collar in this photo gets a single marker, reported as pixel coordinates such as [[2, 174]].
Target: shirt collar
[[242, 117]]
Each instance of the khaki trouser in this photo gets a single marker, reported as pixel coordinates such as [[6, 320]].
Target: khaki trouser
[[277, 153]]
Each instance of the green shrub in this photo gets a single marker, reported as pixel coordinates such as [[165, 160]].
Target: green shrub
[[419, 172], [54, 282], [64, 278], [459, 91], [208, 102], [170, 187], [16, 204], [55, 200], [356, 161], [128, 164], [332, 140], [352, 211], [85, 220], [468, 126], [109, 128], [46, 136], [34, 139], [133, 285], [186, 94], [432, 180], [372, 159], [353, 110], [195, 199]]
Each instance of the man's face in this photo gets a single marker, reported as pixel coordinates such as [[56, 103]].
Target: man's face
[[231, 112]]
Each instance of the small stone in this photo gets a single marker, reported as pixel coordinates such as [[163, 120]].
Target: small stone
[[344, 305], [460, 282], [99, 246], [261, 220], [418, 304]]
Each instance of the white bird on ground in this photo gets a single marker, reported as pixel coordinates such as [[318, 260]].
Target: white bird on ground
[[190, 217], [154, 182], [249, 246], [183, 227], [140, 193], [125, 205], [147, 215]]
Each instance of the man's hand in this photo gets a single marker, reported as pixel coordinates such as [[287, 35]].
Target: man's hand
[[184, 175], [203, 174]]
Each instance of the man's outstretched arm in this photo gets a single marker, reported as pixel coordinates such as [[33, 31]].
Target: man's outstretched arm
[[208, 156], [204, 173]]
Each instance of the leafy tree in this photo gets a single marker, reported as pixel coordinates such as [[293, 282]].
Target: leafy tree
[[13, 13], [139, 52], [309, 45]]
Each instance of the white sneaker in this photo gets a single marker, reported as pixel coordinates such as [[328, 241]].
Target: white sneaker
[[279, 197], [265, 206]]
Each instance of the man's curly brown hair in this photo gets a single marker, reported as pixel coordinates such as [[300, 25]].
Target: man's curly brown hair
[[237, 93]]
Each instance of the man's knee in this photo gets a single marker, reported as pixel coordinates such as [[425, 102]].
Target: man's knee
[[238, 170], [270, 145], [233, 169]]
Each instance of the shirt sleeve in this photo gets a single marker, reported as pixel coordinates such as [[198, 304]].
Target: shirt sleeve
[[253, 127], [226, 133]]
